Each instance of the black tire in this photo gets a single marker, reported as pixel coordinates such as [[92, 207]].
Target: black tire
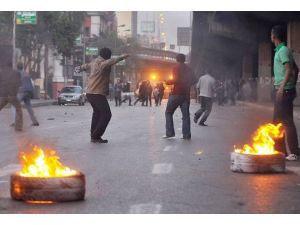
[[56, 189]]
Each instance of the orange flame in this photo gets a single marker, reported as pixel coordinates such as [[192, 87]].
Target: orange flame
[[263, 140], [43, 164]]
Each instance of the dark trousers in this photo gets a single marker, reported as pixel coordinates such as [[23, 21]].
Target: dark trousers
[[156, 99], [140, 98], [127, 97], [206, 106], [160, 98], [118, 99], [26, 98], [283, 113], [174, 102], [149, 99], [101, 114]]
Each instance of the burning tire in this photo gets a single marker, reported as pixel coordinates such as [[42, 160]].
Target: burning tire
[[55, 189], [251, 163]]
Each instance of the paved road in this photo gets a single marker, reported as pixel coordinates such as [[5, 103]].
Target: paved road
[[138, 172]]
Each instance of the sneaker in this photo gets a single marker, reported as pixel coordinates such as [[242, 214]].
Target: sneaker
[[35, 124], [168, 137], [203, 124], [292, 157], [195, 119]]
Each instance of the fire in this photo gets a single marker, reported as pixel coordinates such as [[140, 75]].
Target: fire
[[263, 140], [39, 163]]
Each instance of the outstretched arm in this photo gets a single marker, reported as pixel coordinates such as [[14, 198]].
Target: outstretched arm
[[110, 62], [83, 67]]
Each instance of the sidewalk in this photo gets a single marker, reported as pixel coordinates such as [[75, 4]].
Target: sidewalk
[[40, 102], [269, 107]]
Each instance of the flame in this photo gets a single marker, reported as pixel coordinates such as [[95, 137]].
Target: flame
[[38, 163], [263, 140]]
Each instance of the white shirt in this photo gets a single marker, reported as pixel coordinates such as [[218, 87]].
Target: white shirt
[[206, 84]]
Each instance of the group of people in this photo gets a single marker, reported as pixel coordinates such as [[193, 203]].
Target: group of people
[[145, 91], [285, 72], [227, 91], [16, 87], [122, 92]]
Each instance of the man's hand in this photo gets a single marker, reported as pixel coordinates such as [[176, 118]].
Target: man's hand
[[124, 56], [77, 69], [279, 94]]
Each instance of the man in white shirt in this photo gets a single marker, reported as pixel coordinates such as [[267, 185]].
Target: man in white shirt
[[206, 86]]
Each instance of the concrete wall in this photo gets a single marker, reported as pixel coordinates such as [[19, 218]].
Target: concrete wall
[[247, 67], [264, 89], [293, 37]]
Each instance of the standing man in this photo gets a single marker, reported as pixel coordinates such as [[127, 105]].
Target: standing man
[[149, 91], [98, 89], [118, 92], [285, 88], [9, 86], [161, 92], [206, 86], [183, 79]]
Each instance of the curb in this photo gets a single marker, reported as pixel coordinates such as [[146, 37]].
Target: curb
[[38, 104], [268, 108]]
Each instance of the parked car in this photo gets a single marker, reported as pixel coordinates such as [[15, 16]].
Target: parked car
[[71, 94]]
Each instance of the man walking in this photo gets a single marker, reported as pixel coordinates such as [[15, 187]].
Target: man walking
[[98, 89], [126, 92], [285, 88], [9, 86], [25, 94], [183, 79], [206, 86]]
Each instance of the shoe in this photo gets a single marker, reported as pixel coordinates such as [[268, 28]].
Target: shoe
[[195, 119], [35, 124], [168, 137], [12, 125], [100, 140], [186, 138], [292, 157], [203, 124]]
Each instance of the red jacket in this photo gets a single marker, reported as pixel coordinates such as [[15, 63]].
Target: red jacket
[[183, 79]]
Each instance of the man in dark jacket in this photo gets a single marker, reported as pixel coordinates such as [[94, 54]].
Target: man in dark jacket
[[149, 91], [183, 79], [9, 86], [142, 93], [98, 89]]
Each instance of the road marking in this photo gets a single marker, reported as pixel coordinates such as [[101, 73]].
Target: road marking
[[145, 208], [162, 168], [11, 168], [167, 148], [294, 169]]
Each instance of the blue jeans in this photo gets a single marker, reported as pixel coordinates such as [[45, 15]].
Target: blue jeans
[[184, 103]]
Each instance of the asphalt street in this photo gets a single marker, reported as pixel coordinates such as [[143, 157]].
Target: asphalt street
[[139, 172]]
